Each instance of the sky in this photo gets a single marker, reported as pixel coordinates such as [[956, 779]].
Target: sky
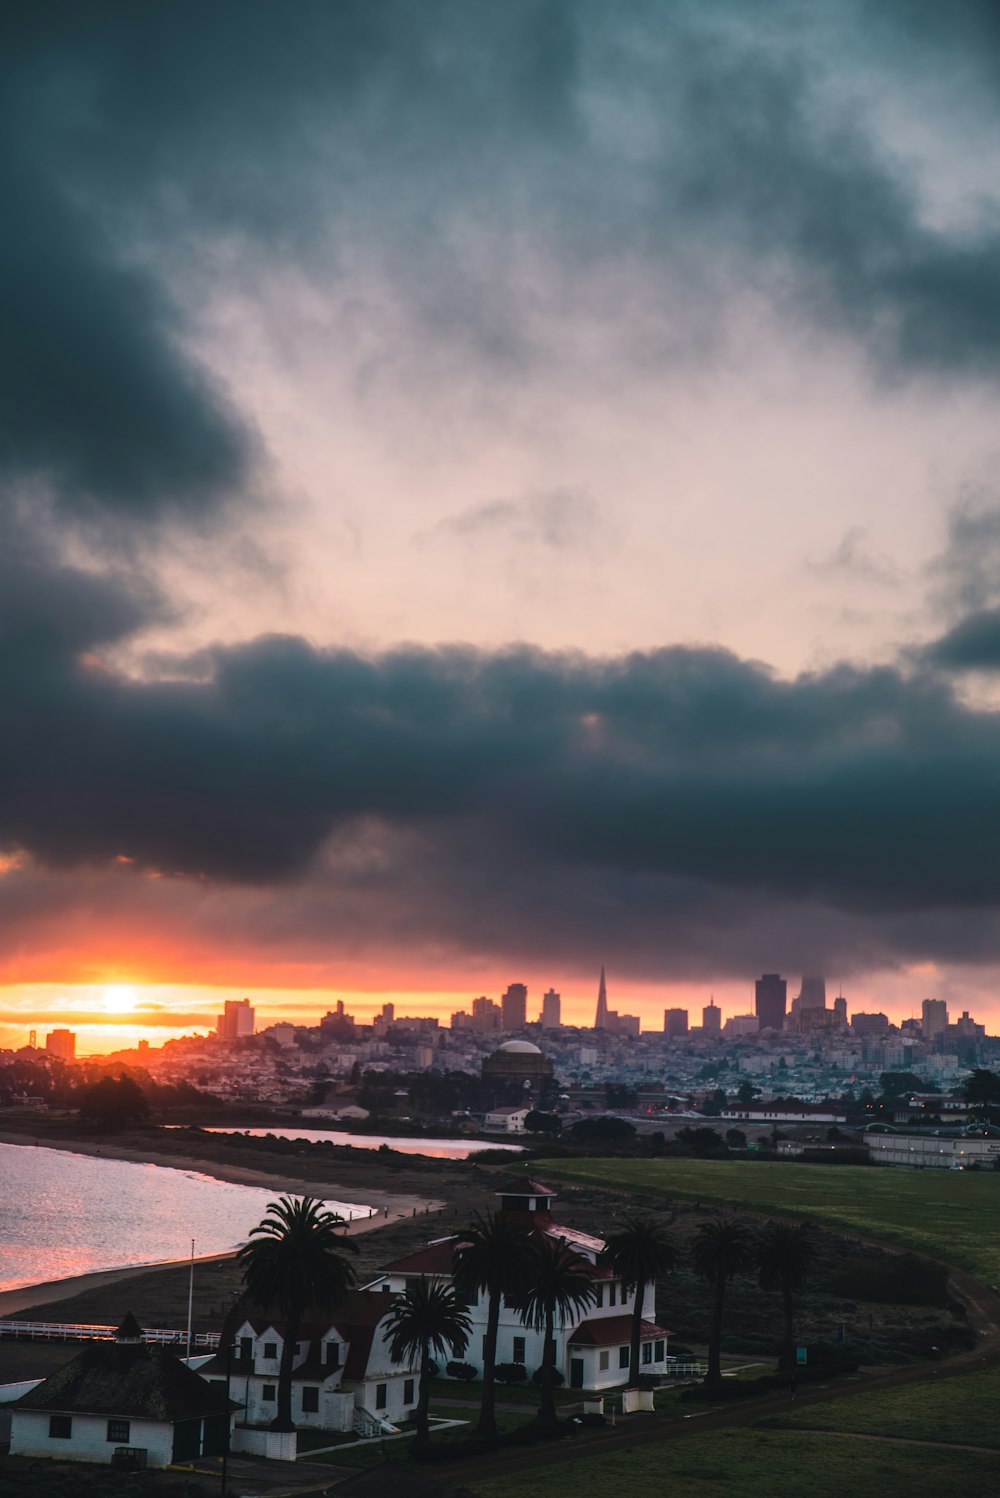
[[491, 490]]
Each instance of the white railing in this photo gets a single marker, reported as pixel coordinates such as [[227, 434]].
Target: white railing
[[685, 1370], [83, 1331]]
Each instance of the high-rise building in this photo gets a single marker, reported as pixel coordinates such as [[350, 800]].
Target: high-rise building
[[934, 1018], [711, 1019], [601, 1019], [486, 1016], [741, 1024], [236, 1020], [61, 1044], [337, 1024], [551, 1015], [770, 1001], [675, 1022], [627, 1024], [812, 994], [514, 1007], [870, 1024], [840, 1011]]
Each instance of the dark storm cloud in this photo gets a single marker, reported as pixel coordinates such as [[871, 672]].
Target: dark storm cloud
[[438, 146], [855, 787], [100, 407], [973, 644]]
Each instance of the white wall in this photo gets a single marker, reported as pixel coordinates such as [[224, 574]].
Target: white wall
[[89, 1440]]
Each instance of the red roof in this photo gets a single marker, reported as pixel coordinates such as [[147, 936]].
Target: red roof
[[609, 1331], [435, 1258]]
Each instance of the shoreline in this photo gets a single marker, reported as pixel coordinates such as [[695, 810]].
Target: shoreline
[[387, 1207]]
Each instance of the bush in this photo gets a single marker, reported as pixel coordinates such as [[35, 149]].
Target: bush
[[897, 1279], [557, 1378], [463, 1371], [510, 1373]]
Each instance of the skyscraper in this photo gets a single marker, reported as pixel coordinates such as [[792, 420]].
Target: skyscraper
[[601, 1021], [238, 1019], [711, 1019], [61, 1044], [675, 1022], [771, 1001], [840, 1010], [551, 1015], [935, 1018], [812, 994], [514, 1007], [486, 1016]]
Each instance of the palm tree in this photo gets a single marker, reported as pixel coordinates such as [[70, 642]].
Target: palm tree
[[786, 1253], [295, 1261], [427, 1318], [492, 1257], [640, 1252], [721, 1249], [560, 1282]]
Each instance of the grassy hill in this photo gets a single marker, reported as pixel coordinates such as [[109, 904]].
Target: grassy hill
[[947, 1215]]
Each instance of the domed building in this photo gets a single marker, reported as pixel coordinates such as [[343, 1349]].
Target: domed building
[[518, 1062]]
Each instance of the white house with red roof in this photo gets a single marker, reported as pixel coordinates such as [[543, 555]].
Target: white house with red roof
[[592, 1347], [343, 1377]]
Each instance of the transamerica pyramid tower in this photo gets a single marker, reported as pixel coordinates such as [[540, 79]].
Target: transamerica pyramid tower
[[601, 1022]]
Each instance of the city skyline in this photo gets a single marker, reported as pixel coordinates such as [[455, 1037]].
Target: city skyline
[[119, 1016], [565, 529]]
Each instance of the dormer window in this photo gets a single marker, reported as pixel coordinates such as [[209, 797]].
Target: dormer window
[[332, 1355]]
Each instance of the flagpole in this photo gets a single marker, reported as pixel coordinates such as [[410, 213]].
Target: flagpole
[[190, 1298]]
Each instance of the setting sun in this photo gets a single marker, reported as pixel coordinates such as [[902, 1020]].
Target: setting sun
[[119, 999]]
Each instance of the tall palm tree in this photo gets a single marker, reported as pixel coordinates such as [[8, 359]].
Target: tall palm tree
[[786, 1253], [640, 1252], [295, 1261], [492, 1257], [560, 1282], [427, 1318], [721, 1249]]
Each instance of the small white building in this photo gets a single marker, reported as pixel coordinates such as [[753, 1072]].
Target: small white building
[[122, 1403], [506, 1120], [343, 1377], [593, 1347]]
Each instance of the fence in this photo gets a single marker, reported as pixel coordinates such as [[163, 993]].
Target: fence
[[82, 1331]]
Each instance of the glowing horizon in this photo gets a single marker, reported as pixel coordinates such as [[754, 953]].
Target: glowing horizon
[[170, 1011]]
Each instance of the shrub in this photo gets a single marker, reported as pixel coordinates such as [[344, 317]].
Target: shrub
[[557, 1378], [896, 1279], [510, 1373], [463, 1371]]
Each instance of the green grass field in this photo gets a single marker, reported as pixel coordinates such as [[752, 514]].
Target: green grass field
[[963, 1410], [954, 1216], [758, 1464]]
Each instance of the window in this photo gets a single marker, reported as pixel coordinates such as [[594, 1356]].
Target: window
[[647, 1352], [267, 1393], [270, 1349], [659, 1351], [333, 1354], [408, 1391], [60, 1427], [381, 1396], [623, 1354], [600, 1297], [310, 1400], [605, 1361], [118, 1431], [246, 1347], [613, 1293], [519, 1345]]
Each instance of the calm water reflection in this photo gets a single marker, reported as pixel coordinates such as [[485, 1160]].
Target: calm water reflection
[[63, 1214], [441, 1149]]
